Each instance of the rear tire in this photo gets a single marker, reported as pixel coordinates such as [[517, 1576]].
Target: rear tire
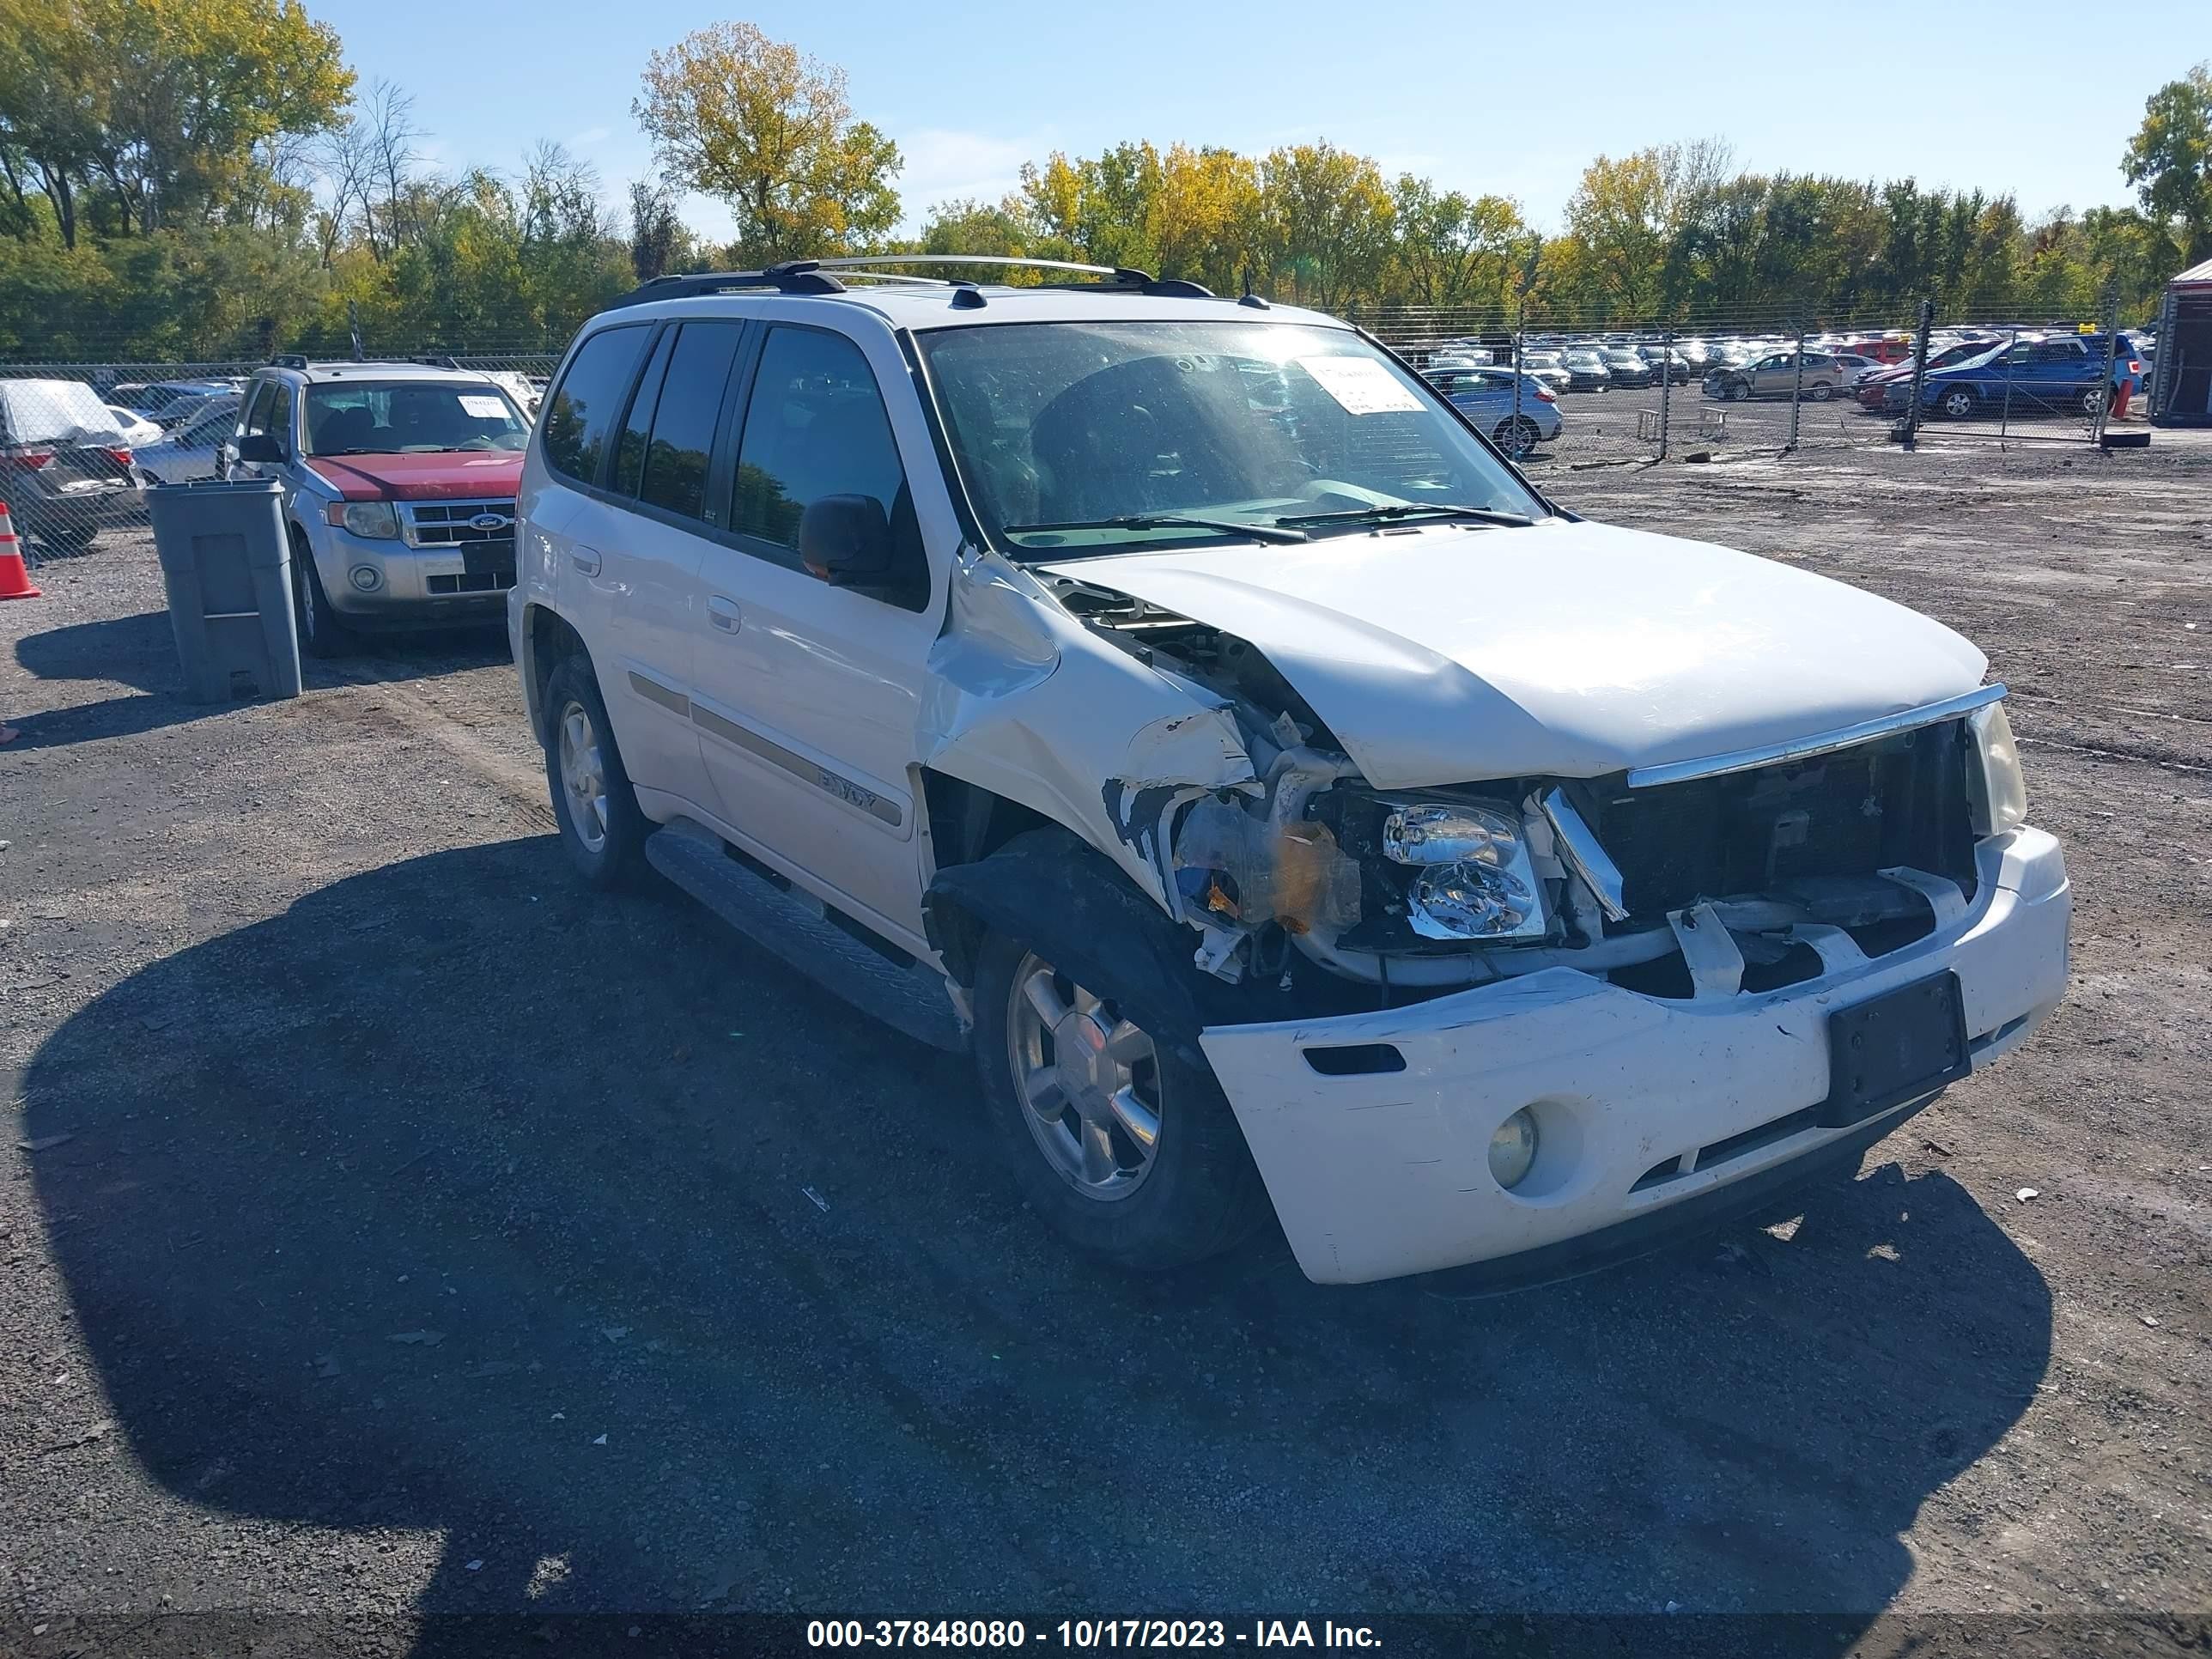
[[65, 535], [602, 831], [1195, 1193], [1820, 392], [1518, 437]]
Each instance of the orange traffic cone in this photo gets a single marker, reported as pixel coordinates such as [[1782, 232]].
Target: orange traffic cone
[[15, 574]]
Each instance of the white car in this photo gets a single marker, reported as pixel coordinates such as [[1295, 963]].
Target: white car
[[1174, 702], [192, 448], [137, 429]]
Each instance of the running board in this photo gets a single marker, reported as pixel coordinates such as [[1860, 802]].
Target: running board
[[792, 925]]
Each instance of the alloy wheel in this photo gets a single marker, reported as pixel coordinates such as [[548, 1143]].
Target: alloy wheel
[[1088, 1081], [583, 776]]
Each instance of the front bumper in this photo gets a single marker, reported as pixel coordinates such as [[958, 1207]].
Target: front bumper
[[1384, 1173], [408, 582]]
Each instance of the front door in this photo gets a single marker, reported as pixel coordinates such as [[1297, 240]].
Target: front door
[[807, 696]]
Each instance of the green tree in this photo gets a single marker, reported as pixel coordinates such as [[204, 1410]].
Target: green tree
[[771, 131], [1453, 249], [152, 112], [1325, 222], [2169, 161]]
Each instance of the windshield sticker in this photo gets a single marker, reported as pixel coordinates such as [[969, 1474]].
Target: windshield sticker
[[1361, 385], [484, 408]]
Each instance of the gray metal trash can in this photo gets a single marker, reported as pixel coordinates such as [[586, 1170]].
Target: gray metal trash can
[[227, 568]]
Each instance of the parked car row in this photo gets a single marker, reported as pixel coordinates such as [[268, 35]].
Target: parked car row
[[1971, 367]]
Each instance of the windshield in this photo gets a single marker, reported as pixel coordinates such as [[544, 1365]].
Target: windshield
[[1064, 432], [403, 417]]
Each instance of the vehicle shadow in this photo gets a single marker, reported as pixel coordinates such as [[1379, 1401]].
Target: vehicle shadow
[[658, 1281], [139, 650]]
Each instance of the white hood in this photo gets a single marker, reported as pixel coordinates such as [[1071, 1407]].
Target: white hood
[[1450, 655]]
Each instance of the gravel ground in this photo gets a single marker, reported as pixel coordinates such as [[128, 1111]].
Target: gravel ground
[[390, 1228]]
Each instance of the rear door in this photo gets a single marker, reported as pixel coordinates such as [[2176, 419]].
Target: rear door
[[625, 581]]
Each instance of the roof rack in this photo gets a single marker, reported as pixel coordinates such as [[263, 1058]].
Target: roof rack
[[812, 276]]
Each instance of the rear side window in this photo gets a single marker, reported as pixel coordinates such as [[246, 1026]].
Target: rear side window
[[581, 415], [629, 454], [684, 421], [816, 427]]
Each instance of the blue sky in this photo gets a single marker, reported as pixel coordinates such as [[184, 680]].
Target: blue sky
[[1513, 100]]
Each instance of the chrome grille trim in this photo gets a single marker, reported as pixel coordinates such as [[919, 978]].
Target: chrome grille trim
[[449, 523], [1824, 742]]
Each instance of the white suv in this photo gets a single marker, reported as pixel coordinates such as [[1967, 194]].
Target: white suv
[[1176, 700]]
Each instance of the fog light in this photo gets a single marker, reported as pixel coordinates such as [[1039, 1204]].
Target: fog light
[[1513, 1149], [366, 577]]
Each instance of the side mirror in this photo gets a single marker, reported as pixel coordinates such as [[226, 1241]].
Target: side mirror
[[262, 447], [846, 540]]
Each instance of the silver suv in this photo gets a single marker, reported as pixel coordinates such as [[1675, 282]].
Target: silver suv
[[1178, 703], [399, 482]]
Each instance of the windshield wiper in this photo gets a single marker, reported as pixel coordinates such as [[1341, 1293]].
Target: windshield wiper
[[1258, 533], [1408, 510]]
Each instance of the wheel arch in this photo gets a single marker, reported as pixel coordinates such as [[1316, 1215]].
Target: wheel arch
[[547, 638], [965, 824]]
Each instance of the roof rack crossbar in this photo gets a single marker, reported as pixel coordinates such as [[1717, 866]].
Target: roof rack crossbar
[[792, 276], [812, 276]]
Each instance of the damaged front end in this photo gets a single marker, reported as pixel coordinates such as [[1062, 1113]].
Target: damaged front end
[[1302, 876]]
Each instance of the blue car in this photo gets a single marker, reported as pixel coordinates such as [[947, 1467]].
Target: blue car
[[1485, 395], [2055, 374]]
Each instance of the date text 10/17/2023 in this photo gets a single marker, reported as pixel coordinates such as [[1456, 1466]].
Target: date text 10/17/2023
[[1087, 1634]]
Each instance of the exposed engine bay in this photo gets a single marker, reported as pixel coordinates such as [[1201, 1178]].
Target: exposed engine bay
[[1746, 881]]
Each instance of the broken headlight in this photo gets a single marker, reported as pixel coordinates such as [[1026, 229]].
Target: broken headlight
[[2000, 787], [1474, 876]]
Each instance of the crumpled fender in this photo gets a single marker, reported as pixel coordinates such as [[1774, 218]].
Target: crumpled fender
[[1023, 700]]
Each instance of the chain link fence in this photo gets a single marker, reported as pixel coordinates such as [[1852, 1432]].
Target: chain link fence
[[81, 442]]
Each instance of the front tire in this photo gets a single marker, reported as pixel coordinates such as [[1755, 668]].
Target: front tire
[[602, 831], [1131, 1153], [322, 636], [1739, 392], [1959, 405]]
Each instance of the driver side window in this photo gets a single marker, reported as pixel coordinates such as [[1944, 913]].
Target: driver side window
[[815, 426]]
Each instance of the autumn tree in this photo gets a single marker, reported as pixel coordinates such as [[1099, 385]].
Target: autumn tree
[[771, 131], [1203, 219]]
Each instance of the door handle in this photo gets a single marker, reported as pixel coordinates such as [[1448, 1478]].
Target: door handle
[[722, 613], [586, 559]]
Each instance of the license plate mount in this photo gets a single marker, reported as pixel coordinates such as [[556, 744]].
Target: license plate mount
[[1894, 1047], [487, 559]]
